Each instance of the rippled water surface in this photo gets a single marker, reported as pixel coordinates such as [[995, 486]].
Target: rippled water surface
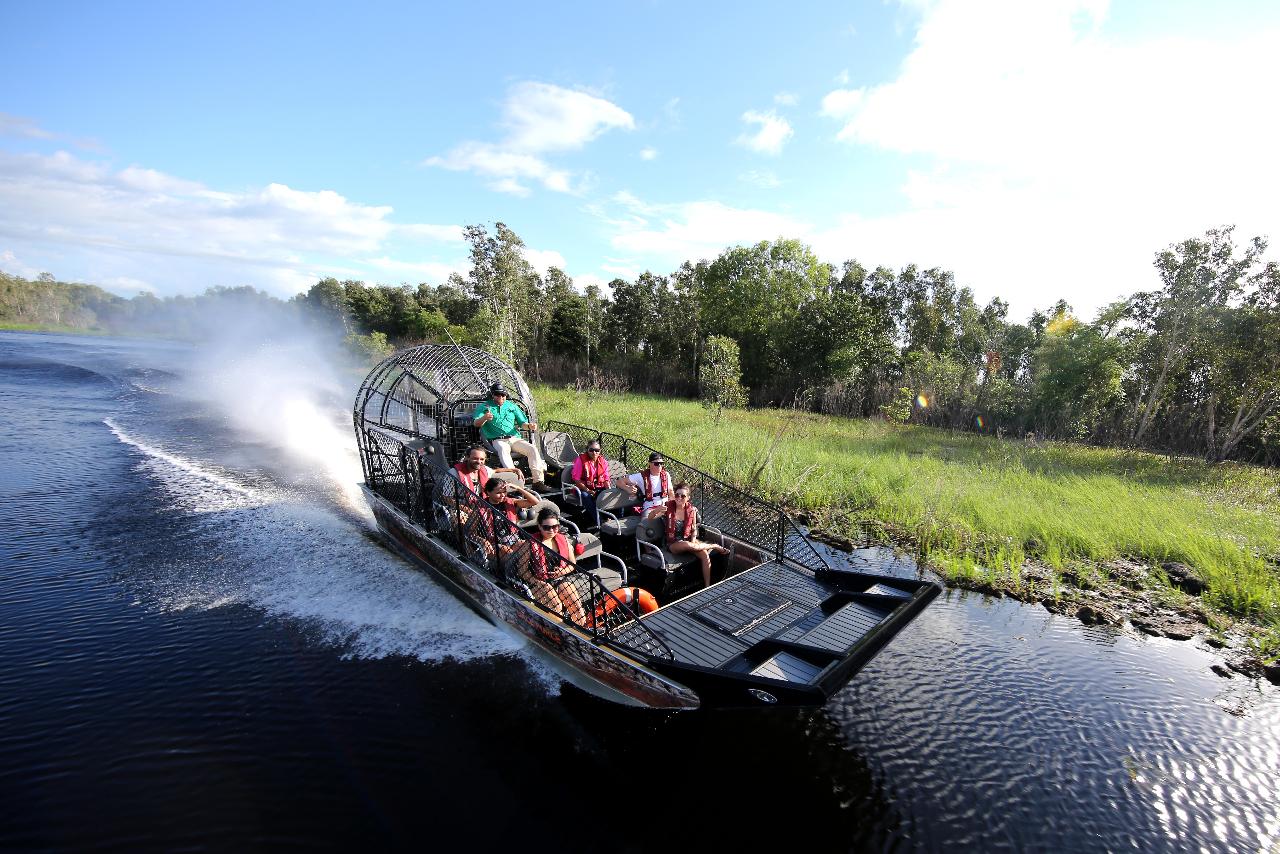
[[203, 644]]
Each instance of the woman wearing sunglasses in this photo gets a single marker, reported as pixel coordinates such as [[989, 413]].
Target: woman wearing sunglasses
[[551, 580], [682, 530]]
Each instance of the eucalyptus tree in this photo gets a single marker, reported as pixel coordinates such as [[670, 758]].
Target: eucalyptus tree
[[752, 294], [1196, 276]]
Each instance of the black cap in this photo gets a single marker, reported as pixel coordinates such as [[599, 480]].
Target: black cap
[[497, 389], [656, 457]]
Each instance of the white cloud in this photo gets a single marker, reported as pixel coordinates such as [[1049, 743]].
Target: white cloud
[[786, 99], [842, 79], [543, 259], [772, 135], [669, 234], [23, 127], [545, 118], [1042, 136], [582, 281], [648, 153], [137, 224], [763, 180], [539, 119], [435, 271], [14, 266]]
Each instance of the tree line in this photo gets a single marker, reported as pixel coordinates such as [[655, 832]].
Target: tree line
[[1190, 366]]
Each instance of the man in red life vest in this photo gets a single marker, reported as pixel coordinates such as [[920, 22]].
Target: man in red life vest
[[473, 472], [590, 475], [652, 485]]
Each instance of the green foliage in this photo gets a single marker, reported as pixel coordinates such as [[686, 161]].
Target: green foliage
[[1191, 367], [720, 381], [371, 348], [901, 408]]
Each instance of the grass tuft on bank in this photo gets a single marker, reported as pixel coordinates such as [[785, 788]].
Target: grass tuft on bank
[[976, 506]]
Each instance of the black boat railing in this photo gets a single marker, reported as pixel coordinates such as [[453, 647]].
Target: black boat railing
[[430, 496], [731, 511]]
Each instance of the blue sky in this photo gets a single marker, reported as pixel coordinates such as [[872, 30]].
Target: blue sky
[[1037, 149]]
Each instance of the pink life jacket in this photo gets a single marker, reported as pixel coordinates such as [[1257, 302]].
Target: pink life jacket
[[596, 476], [475, 481], [690, 523]]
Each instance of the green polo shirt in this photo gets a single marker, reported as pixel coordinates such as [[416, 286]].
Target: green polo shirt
[[507, 419]]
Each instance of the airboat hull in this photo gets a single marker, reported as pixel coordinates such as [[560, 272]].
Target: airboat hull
[[569, 651]]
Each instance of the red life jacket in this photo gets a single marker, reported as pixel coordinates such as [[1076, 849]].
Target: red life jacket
[[508, 507], [690, 522], [646, 484], [474, 481], [596, 476], [540, 569]]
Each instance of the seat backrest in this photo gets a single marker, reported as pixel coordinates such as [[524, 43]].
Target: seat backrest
[[557, 448], [508, 476], [529, 517], [613, 498], [616, 470], [651, 531]]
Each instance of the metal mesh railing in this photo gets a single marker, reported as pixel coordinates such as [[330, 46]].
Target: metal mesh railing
[[488, 540], [733, 512]]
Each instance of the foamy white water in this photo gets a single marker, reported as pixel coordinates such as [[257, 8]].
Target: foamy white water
[[293, 557]]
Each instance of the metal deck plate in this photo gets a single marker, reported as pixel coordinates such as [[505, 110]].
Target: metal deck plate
[[738, 609]]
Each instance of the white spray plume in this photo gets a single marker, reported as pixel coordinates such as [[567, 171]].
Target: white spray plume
[[288, 386]]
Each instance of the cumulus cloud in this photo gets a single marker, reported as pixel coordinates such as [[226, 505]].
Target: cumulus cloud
[[771, 135], [648, 153], [275, 237], [786, 99], [669, 234], [543, 259], [539, 119], [1034, 128]]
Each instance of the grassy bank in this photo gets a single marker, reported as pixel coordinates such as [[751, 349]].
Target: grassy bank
[[976, 506], [7, 326]]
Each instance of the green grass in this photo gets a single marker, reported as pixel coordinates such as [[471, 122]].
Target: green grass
[[977, 506], [9, 326]]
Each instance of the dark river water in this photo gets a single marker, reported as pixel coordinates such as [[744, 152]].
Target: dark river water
[[203, 645]]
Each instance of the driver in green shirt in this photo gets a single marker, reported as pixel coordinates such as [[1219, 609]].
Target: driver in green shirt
[[500, 420]]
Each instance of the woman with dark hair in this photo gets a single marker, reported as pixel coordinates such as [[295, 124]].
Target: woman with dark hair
[[682, 530], [552, 581]]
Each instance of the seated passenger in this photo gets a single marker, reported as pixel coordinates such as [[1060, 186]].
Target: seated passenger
[[473, 472], [652, 485], [590, 474], [497, 497], [500, 420], [552, 582], [682, 530]]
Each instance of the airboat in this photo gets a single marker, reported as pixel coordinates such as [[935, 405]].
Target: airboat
[[779, 625]]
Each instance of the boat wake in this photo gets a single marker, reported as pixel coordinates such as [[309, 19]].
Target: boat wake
[[294, 556]]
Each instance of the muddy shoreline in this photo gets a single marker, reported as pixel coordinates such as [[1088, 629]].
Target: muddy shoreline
[[1120, 593]]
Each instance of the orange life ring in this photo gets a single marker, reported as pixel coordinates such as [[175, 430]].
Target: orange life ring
[[637, 598]]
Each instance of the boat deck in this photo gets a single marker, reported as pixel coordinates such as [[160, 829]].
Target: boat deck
[[726, 625]]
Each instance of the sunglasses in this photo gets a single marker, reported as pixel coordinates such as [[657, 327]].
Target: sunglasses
[[549, 527], [593, 450], [656, 463], [682, 495]]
